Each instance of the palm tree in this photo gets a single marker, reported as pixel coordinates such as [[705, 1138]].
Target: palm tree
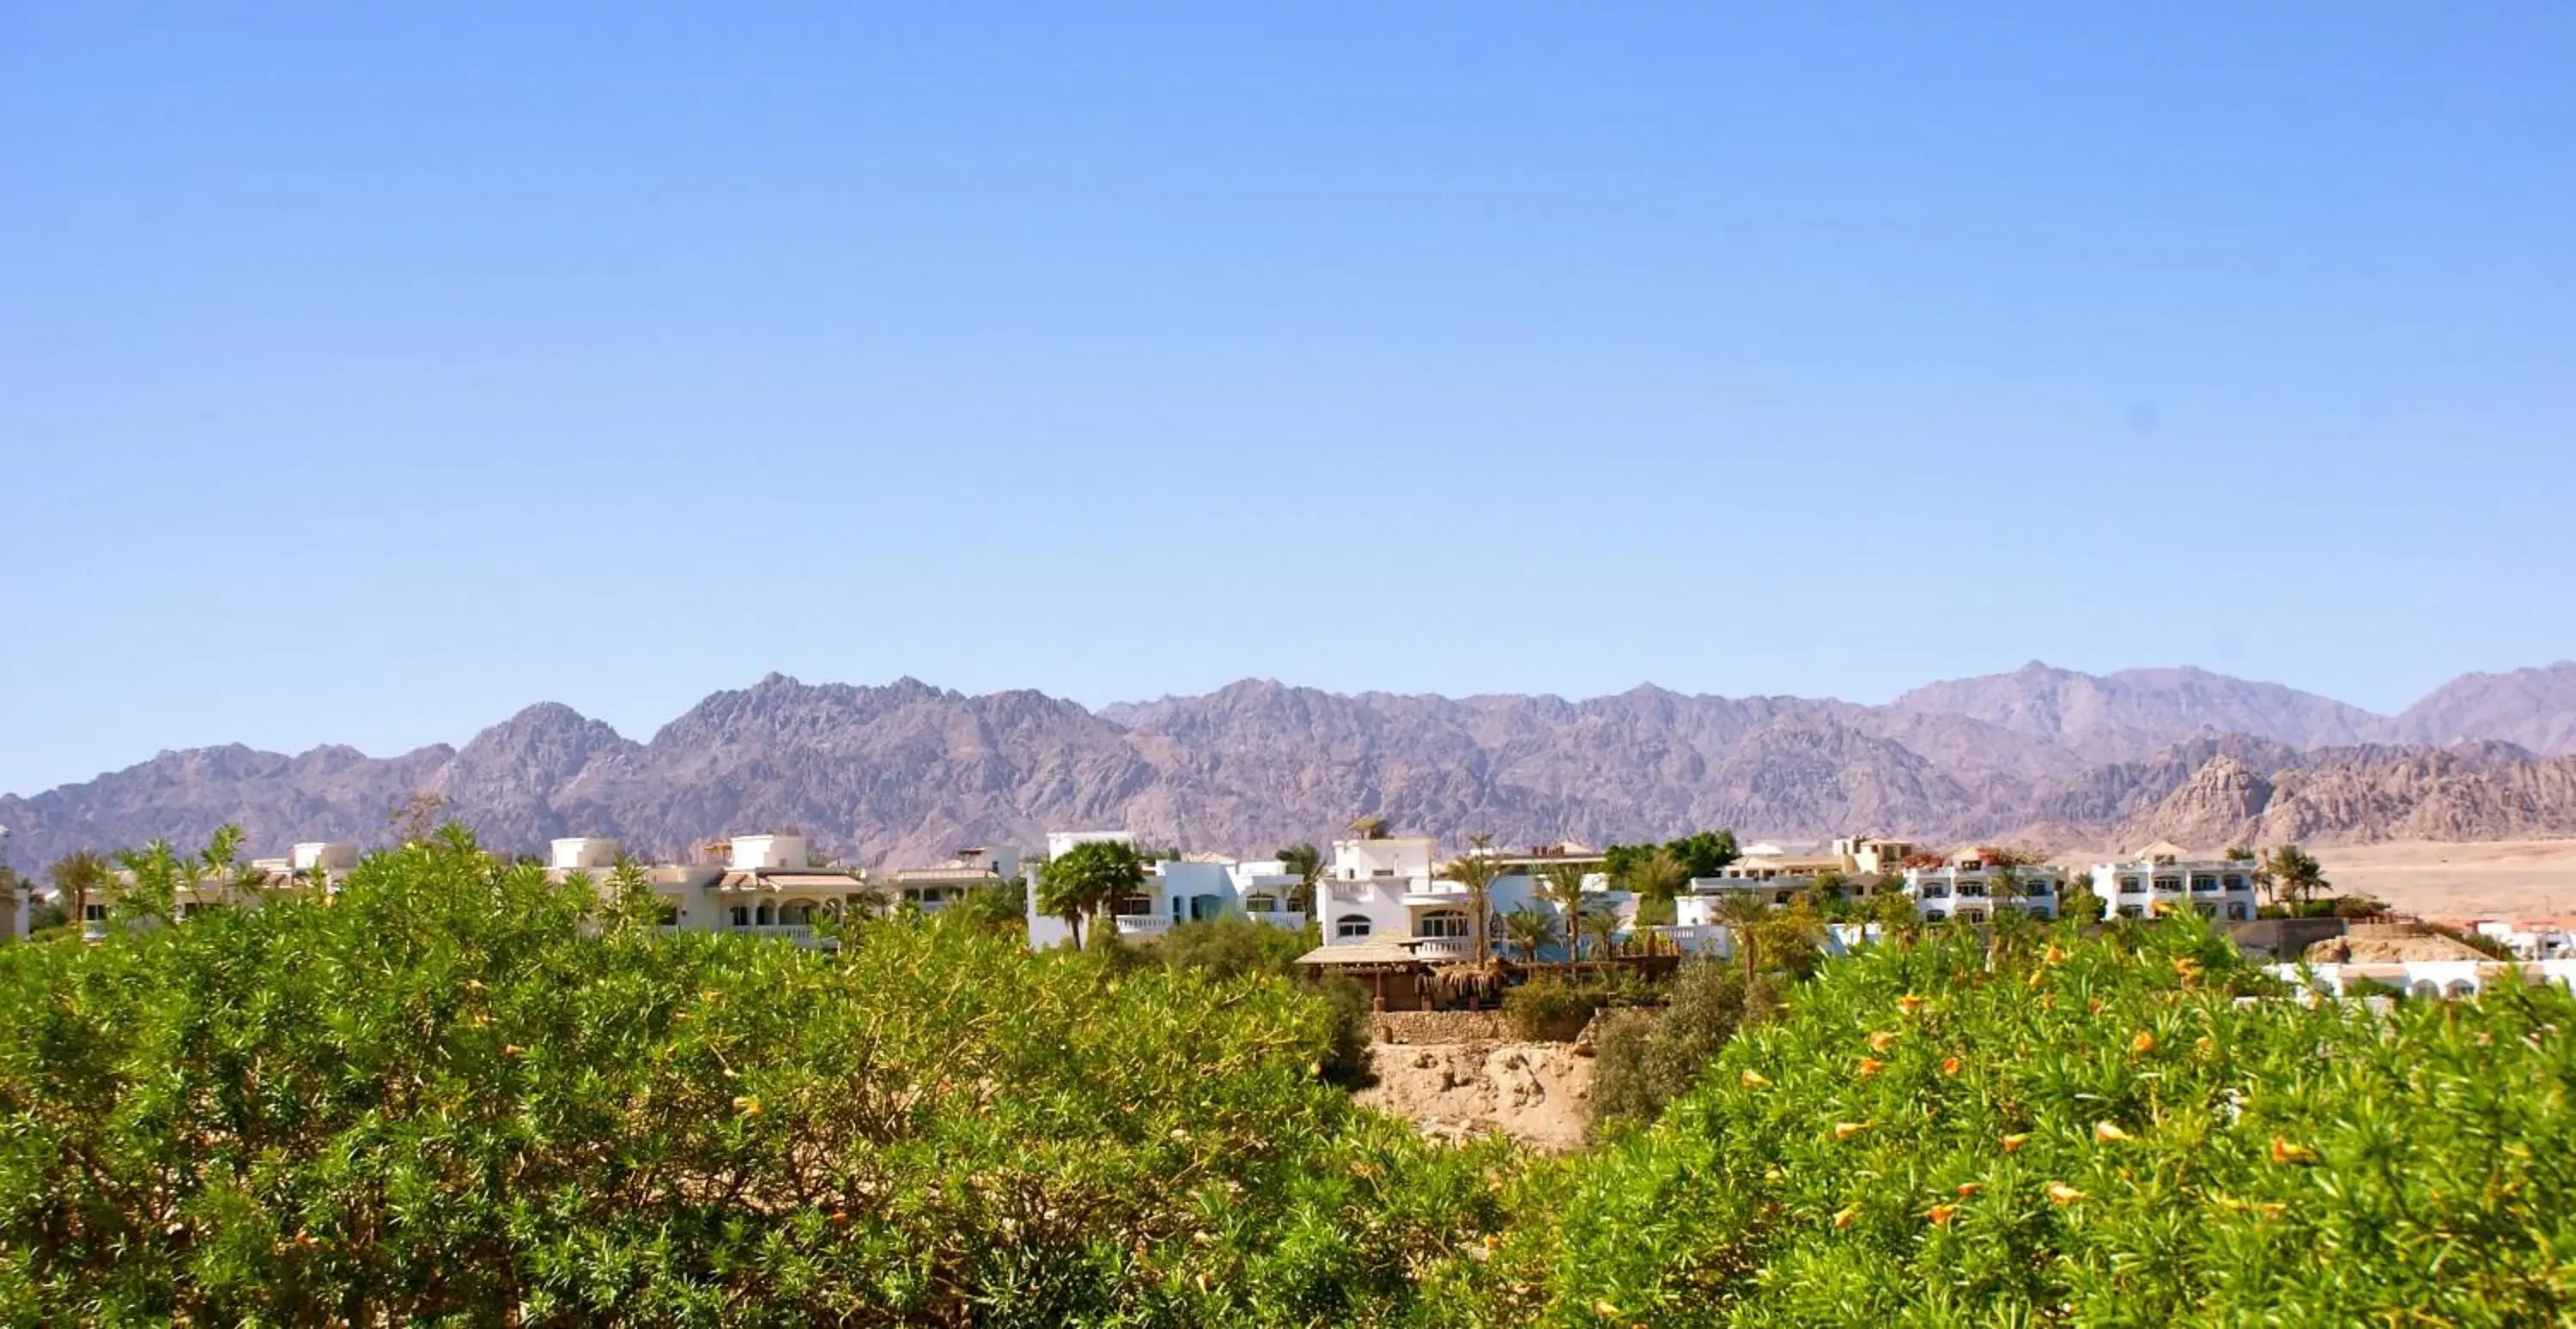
[[1562, 884], [2292, 872], [1743, 913], [1087, 879], [1308, 863], [76, 876], [1656, 876], [1475, 871], [1530, 931]]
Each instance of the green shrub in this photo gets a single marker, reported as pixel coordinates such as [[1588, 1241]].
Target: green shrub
[[1648, 1058], [1547, 1009], [2103, 1133], [1232, 946], [462, 1094]]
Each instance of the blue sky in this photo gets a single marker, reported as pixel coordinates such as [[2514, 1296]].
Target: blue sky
[[366, 376]]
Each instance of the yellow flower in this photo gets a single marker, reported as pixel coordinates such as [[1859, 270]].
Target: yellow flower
[[2285, 1152], [747, 1105], [2013, 1143], [1605, 1310], [1845, 1217], [2143, 1044], [1844, 1130], [2061, 1193], [1756, 1080], [1881, 1040], [2108, 1132], [2186, 968]]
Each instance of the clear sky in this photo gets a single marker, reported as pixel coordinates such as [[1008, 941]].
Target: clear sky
[[365, 376]]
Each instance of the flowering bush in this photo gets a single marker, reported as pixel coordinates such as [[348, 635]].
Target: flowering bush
[[463, 1093], [2123, 1130]]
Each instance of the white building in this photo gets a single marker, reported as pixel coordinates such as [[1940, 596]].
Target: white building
[[932, 889], [762, 888], [1388, 893], [1972, 888], [1195, 888], [2451, 979], [2151, 883]]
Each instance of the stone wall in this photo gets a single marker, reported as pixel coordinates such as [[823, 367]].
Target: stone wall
[[1441, 1027]]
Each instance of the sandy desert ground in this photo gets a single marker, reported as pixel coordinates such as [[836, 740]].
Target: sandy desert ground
[[2513, 878]]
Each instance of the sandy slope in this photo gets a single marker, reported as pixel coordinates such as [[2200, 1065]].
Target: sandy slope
[[2515, 878], [1537, 1093]]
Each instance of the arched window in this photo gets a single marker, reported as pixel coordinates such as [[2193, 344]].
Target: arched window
[[767, 915], [1351, 925], [1443, 923], [796, 913]]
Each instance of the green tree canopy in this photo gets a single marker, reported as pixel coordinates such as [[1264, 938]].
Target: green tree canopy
[[1086, 880]]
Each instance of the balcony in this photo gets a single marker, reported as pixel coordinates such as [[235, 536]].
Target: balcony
[[1278, 918], [1142, 925], [1441, 948]]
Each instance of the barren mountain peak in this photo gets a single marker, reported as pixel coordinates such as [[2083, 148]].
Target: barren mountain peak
[[897, 772]]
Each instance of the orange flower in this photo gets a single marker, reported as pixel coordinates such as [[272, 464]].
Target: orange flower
[[1881, 1040], [2186, 968], [2143, 1044], [1845, 1217], [1942, 1213], [1968, 1188], [1755, 1080], [1949, 1065], [747, 1106], [2285, 1152], [1844, 1130], [1870, 1066], [2054, 955], [512, 1050], [2109, 1132], [1909, 1003], [2061, 1193], [2013, 1143]]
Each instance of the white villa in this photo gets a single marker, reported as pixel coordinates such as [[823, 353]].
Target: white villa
[[308, 866], [2164, 877], [1194, 888], [1386, 894], [1972, 889], [763, 886], [934, 888]]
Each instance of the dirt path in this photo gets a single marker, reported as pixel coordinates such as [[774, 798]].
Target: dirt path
[[1537, 1093]]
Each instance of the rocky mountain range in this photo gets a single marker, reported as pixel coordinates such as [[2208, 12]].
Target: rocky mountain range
[[907, 773]]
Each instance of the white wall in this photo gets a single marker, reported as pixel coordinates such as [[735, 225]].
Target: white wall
[[768, 851], [1060, 842], [584, 854], [329, 856]]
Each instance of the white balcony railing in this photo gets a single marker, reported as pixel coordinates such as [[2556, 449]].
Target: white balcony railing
[[1441, 948]]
